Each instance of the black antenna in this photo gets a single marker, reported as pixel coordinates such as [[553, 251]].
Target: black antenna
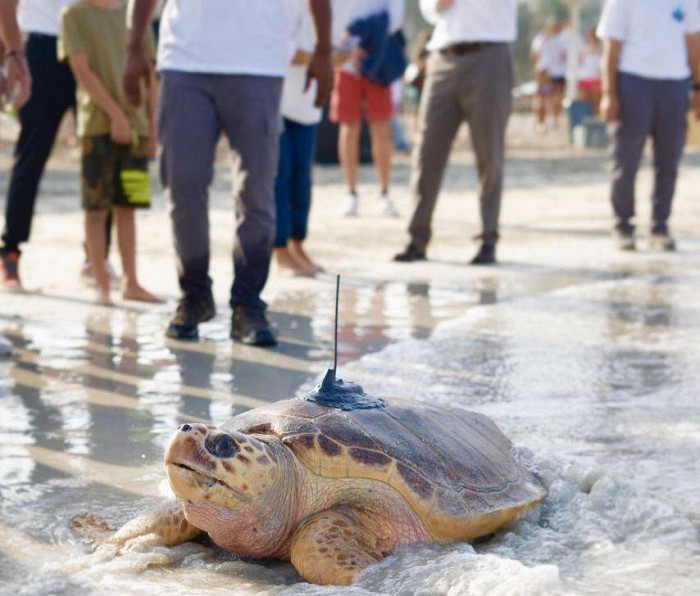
[[337, 301], [329, 380]]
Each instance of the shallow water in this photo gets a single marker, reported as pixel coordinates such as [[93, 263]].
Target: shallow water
[[597, 384]]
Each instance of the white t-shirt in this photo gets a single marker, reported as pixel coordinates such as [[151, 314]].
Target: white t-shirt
[[41, 16], [653, 35], [552, 55], [298, 105], [471, 21], [589, 67], [225, 37]]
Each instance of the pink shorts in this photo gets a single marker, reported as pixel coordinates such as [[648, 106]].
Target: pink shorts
[[352, 96]]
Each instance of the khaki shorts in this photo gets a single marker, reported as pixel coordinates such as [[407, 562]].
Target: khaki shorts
[[114, 175]]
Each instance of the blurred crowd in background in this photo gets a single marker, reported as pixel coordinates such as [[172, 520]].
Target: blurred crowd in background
[[172, 77]]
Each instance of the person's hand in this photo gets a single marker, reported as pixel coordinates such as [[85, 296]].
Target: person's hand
[[695, 104], [120, 130], [321, 69], [443, 5], [17, 80], [136, 70], [610, 107], [357, 55]]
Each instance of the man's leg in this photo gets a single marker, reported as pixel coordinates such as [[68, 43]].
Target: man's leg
[[346, 111], [487, 103], [379, 110], [302, 156], [636, 119], [439, 118], [668, 132], [349, 152], [249, 108], [53, 94], [284, 193], [380, 134], [188, 131]]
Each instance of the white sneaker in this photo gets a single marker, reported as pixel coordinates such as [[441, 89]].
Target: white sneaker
[[387, 207], [352, 205]]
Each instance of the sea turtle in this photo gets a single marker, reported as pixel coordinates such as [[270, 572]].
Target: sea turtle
[[337, 480]]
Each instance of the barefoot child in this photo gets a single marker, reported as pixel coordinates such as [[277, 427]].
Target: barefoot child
[[117, 139]]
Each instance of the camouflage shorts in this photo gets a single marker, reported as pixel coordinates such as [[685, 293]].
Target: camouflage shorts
[[114, 175]]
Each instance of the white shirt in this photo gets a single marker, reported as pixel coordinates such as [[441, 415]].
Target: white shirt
[[589, 68], [41, 16], [553, 55], [653, 41], [297, 104], [471, 21], [225, 37]]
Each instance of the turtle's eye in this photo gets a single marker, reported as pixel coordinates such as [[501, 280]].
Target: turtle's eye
[[221, 445]]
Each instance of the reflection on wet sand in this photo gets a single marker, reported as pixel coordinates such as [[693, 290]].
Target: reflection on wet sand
[[89, 403]]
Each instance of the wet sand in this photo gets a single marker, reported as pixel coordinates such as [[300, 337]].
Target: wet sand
[[585, 356]]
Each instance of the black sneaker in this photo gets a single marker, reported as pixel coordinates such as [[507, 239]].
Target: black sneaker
[[487, 252], [660, 239], [251, 327], [189, 314], [623, 235], [411, 255]]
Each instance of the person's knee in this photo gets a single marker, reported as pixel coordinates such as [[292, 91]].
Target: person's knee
[[351, 130], [97, 216], [189, 181], [123, 214]]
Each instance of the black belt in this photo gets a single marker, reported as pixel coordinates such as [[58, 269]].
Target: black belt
[[460, 49], [42, 36]]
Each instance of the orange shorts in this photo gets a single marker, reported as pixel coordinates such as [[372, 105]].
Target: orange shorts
[[353, 95]]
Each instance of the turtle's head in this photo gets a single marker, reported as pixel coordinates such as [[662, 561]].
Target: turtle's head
[[232, 485]]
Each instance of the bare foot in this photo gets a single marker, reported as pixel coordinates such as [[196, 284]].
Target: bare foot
[[102, 297], [296, 248], [140, 294], [291, 266]]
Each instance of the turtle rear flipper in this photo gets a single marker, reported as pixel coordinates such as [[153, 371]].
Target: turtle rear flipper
[[93, 530]]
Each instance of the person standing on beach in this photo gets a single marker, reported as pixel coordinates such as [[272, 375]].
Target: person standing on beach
[[469, 77], [222, 63], [651, 61], [355, 97], [53, 94]]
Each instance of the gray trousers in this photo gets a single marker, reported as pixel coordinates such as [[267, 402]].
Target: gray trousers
[[475, 87], [648, 107], [194, 110]]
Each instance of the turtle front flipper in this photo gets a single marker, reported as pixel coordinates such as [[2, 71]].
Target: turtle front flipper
[[91, 529], [330, 549], [163, 526]]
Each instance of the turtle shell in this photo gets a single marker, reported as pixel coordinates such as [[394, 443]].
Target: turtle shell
[[454, 467]]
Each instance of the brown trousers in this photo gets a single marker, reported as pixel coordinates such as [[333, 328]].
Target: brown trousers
[[476, 88]]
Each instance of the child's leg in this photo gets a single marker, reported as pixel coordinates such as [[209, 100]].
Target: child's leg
[[126, 239], [95, 241]]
